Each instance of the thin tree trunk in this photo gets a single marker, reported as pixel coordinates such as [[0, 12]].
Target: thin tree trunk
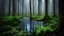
[[22, 6], [46, 17], [3, 8], [30, 18], [39, 4], [46, 8], [33, 7], [18, 7], [14, 7], [9, 8], [22, 11], [33, 14], [54, 14], [46, 11]]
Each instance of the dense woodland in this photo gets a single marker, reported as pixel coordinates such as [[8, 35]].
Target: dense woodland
[[31, 18]]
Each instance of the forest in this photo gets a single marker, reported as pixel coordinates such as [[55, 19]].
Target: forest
[[30, 17]]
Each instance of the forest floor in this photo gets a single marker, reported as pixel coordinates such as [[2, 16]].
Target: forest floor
[[9, 26]]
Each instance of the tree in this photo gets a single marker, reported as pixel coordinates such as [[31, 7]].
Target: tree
[[14, 7], [9, 8], [33, 14], [18, 7], [22, 13], [61, 18], [54, 14], [22, 6], [39, 9], [46, 17], [30, 18], [3, 7], [33, 7]]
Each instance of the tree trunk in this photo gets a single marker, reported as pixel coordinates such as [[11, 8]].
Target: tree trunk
[[9, 8], [3, 9], [46, 9], [22, 6], [30, 18], [18, 7], [14, 7], [54, 14], [61, 18], [33, 7], [33, 14], [39, 4], [46, 17]]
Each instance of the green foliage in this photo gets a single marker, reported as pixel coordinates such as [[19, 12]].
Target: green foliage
[[10, 20], [44, 29], [50, 27], [9, 26], [38, 17], [47, 28], [38, 29]]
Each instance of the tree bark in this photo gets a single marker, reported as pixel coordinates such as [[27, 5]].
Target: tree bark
[[9, 8], [61, 18], [30, 18], [46, 9], [33, 14], [39, 4], [3, 9], [18, 7], [33, 7], [14, 7], [54, 14], [46, 17], [22, 6]]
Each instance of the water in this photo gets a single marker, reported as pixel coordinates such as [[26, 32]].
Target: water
[[26, 22]]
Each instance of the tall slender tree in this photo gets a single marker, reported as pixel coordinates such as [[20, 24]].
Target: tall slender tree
[[9, 8], [33, 14], [22, 13], [22, 6], [46, 17], [18, 7], [3, 7], [33, 7], [54, 14], [14, 7], [30, 18], [39, 9]]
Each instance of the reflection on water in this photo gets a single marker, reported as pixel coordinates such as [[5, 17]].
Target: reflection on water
[[28, 27], [26, 22]]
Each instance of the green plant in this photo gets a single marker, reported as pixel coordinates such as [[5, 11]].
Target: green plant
[[48, 28]]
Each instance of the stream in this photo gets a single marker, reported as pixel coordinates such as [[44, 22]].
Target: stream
[[26, 22]]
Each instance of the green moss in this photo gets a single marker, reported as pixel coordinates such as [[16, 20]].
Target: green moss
[[38, 17]]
